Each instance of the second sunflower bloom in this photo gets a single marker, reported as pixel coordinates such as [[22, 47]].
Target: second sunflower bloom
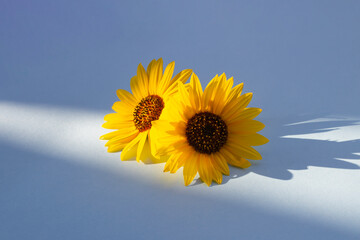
[[204, 131], [135, 112]]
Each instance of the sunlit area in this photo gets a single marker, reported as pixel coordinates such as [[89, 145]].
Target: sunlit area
[[72, 135], [179, 120], [348, 130]]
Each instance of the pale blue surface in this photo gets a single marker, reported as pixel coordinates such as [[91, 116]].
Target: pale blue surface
[[298, 57]]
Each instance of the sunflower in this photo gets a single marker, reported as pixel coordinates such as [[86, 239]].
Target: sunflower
[[204, 131], [151, 90]]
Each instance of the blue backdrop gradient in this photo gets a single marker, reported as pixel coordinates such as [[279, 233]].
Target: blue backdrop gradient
[[296, 56]]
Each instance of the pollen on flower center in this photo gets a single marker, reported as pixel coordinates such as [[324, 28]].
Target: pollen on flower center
[[206, 132], [148, 109]]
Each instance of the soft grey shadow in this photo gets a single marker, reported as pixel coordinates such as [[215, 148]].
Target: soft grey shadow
[[44, 197], [281, 155]]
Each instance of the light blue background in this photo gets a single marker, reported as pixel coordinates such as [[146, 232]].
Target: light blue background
[[298, 57]]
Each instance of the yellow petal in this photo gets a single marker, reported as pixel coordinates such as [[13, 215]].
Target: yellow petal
[[184, 95], [126, 97], [204, 172], [220, 163], [137, 89], [116, 147], [244, 151], [166, 78], [221, 94], [171, 162], [119, 117], [195, 92], [166, 137], [152, 138], [155, 75], [216, 174], [209, 92], [180, 161], [118, 125], [245, 126], [244, 100], [249, 140], [123, 108], [234, 160], [113, 134], [188, 111], [233, 95], [229, 84], [123, 137], [144, 80], [150, 66], [166, 149], [190, 169], [129, 152], [140, 147], [110, 135], [147, 157], [182, 76], [236, 91], [247, 113], [238, 105], [185, 155]]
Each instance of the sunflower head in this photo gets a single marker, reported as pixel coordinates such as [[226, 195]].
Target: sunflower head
[[135, 112], [205, 131], [147, 110]]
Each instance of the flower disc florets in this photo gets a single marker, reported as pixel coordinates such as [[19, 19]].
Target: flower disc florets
[[206, 132], [147, 110]]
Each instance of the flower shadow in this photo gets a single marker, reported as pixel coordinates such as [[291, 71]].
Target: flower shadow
[[320, 142]]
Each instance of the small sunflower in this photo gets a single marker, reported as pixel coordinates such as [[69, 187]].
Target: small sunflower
[[135, 112], [204, 131]]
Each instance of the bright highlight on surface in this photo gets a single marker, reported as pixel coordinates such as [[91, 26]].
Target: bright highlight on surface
[[68, 134], [350, 132]]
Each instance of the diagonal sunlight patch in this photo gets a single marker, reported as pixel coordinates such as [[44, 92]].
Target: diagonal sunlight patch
[[315, 195], [328, 119], [69, 134], [350, 132]]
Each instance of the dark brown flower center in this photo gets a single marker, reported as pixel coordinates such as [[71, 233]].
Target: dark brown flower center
[[206, 132], [148, 109]]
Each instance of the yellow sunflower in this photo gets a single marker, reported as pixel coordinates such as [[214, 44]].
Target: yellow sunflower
[[151, 90], [204, 131]]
